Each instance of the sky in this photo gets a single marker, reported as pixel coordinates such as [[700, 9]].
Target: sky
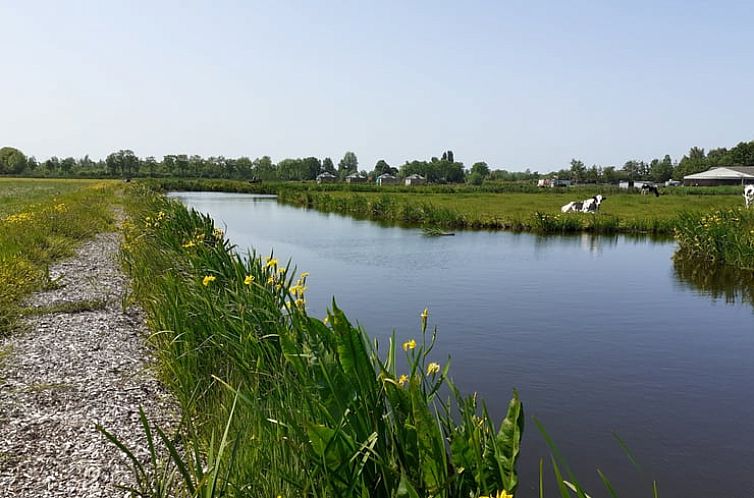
[[518, 84]]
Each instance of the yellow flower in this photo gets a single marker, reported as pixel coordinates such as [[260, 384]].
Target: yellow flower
[[188, 244], [425, 314], [208, 280], [218, 233], [305, 274], [248, 280], [433, 368], [410, 344], [270, 280], [326, 320], [500, 494], [402, 379], [300, 302], [271, 262]]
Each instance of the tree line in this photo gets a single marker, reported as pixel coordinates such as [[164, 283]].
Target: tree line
[[444, 169]]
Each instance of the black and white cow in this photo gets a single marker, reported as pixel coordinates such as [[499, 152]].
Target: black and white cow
[[647, 188], [749, 195], [585, 206]]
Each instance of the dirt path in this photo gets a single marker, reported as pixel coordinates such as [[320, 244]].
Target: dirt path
[[64, 372]]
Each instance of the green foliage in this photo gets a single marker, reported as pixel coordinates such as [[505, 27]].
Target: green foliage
[[719, 237], [12, 161]]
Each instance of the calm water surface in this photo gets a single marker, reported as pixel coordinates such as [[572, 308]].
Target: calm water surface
[[599, 334]]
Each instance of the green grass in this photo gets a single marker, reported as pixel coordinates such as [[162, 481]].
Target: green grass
[[718, 237], [41, 222], [620, 212]]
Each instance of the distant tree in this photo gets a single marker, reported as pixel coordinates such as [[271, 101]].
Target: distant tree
[[609, 175], [578, 171], [450, 156], [594, 174], [694, 162], [480, 168], [328, 166], [264, 169], [312, 167], [632, 169], [383, 167], [67, 165], [349, 164], [52, 165], [12, 161], [661, 171]]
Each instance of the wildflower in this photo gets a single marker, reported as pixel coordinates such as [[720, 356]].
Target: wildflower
[[305, 274], [499, 494], [270, 280], [326, 320], [208, 280], [402, 379], [161, 215], [248, 280], [298, 289], [218, 233], [300, 303], [433, 368], [410, 344], [424, 316], [282, 271], [188, 244], [271, 263]]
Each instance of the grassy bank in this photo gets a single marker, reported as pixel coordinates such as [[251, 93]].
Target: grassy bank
[[280, 403], [511, 206], [621, 212], [42, 221]]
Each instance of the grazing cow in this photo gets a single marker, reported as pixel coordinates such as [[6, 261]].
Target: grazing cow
[[647, 188], [749, 195], [585, 206]]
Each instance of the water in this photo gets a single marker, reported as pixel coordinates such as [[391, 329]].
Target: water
[[600, 335]]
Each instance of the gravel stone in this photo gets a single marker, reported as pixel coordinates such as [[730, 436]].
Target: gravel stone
[[66, 372]]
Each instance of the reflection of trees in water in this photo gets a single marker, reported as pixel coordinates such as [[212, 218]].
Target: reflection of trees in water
[[718, 282], [589, 242]]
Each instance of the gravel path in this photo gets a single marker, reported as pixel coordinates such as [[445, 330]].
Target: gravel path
[[62, 373]]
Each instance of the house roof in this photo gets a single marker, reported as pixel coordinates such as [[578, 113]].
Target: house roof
[[386, 175], [724, 173], [325, 175], [356, 175], [415, 177]]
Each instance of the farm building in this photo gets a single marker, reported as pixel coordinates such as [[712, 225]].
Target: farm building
[[626, 184], [326, 177], [728, 175], [386, 179], [553, 182], [415, 180], [356, 178]]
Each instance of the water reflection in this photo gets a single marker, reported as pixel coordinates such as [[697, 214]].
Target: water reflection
[[718, 282]]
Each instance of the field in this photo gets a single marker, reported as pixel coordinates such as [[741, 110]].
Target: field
[[42, 221]]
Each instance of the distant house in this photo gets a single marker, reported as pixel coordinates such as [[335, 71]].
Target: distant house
[[386, 179], [326, 177], [356, 178], [415, 180], [553, 182], [728, 175]]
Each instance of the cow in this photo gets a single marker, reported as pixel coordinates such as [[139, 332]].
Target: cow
[[585, 206], [749, 195], [647, 188]]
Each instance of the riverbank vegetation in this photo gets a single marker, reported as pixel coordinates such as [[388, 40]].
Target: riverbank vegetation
[[40, 222], [718, 237], [280, 403]]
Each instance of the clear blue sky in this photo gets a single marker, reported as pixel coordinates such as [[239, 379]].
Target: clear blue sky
[[518, 84]]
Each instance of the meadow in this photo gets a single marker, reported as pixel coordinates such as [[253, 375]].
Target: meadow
[[42, 221]]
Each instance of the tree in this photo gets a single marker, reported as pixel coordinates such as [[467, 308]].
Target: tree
[[694, 162], [349, 164], [312, 166], [328, 166], [264, 169], [661, 171], [12, 161], [383, 167], [480, 168], [578, 171]]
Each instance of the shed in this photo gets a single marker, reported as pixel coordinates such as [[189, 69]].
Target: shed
[[356, 178], [386, 179], [415, 180], [326, 177], [727, 175]]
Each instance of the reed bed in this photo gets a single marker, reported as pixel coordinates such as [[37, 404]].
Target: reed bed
[[281, 403], [42, 222], [720, 237]]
